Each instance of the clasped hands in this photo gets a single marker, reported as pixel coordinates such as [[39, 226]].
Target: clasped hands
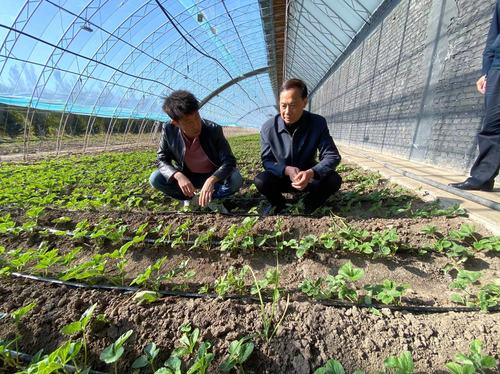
[[300, 179], [189, 190]]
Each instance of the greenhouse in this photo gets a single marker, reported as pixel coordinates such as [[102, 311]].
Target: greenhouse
[[249, 186]]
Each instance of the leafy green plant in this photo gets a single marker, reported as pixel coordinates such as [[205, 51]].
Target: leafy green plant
[[339, 286], [334, 367], [80, 327], [179, 233], [151, 351], [231, 282], [239, 351], [239, 235], [56, 361], [146, 297], [488, 244], [473, 362], [112, 353], [271, 321], [303, 245], [387, 293], [202, 360], [204, 240], [488, 296], [402, 364], [187, 341]]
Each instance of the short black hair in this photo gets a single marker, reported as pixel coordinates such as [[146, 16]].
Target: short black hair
[[179, 104], [295, 83]]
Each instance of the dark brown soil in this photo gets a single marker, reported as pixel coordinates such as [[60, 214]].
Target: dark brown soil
[[310, 334]]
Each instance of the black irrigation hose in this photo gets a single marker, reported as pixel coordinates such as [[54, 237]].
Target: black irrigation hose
[[466, 195], [28, 358], [193, 295]]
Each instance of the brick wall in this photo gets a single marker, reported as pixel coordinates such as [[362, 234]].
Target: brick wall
[[407, 84]]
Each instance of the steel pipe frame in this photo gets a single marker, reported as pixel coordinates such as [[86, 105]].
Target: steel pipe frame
[[78, 80], [6, 48], [359, 9], [157, 58]]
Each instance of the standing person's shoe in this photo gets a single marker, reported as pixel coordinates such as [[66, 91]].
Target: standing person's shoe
[[468, 185]]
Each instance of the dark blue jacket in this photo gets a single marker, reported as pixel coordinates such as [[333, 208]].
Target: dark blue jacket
[[279, 149], [491, 56], [212, 140]]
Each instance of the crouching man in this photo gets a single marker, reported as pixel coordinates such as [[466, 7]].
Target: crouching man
[[289, 144], [195, 161]]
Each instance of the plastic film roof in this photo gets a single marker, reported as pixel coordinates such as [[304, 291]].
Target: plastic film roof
[[118, 59], [319, 32]]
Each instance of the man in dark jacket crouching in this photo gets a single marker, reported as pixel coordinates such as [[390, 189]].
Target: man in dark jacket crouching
[[289, 144], [194, 155]]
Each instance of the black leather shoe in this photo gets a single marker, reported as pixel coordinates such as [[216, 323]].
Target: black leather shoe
[[467, 185]]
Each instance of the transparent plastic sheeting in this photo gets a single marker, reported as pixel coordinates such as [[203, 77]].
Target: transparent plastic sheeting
[[319, 32], [118, 59]]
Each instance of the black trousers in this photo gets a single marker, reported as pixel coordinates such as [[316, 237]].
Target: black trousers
[[487, 163], [317, 192]]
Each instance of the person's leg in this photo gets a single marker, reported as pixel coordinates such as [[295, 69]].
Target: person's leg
[[485, 168], [272, 187], [228, 186], [487, 163], [319, 190], [169, 188]]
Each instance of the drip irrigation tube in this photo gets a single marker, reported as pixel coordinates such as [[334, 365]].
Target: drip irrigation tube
[[28, 358], [193, 295], [466, 195]]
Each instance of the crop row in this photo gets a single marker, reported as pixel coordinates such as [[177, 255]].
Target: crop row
[[191, 354]]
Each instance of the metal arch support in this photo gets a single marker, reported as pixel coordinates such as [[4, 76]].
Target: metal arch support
[[28, 10], [231, 83], [256, 109]]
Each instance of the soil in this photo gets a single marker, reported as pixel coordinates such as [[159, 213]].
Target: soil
[[310, 334]]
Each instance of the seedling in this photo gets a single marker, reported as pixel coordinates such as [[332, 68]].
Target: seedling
[[80, 327], [231, 282], [270, 319], [148, 358], [239, 352], [403, 364], [334, 286], [474, 361], [180, 231], [239, 235], [387, 293], [303, 246], [113, 352], [202, 360], [187, 341], [19, 314], [334, 367], [146, 297], [204, 240]]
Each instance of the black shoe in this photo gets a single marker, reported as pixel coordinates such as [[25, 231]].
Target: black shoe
[[468, 185]]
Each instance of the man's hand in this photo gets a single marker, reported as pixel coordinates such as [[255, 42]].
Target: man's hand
[[185, 184], [302, 179], [207, 191], [481, 84], [292, 172]]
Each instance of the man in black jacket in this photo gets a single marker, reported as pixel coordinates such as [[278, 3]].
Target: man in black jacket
[[485, 168], [194, 154], [289, 144]]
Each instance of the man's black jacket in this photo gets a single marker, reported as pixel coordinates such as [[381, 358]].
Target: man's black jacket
[[280, 149], [212, 140], [491, 56]]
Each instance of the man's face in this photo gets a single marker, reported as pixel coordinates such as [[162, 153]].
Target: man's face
[[291, 105], [190, 124]]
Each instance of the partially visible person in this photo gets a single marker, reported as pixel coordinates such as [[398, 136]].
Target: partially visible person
[[485, 168], [195, 161], [289, 144]]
